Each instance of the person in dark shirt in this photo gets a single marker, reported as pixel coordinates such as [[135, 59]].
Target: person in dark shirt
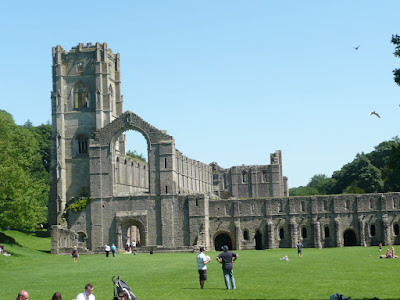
[[227, 259], [299, 249]]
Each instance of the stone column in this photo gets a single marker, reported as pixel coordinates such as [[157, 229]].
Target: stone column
[[337, 231], [120, 244], [271, 237], [317, 234], [293, 232], [386, 233], [237, 235], [361, 224]]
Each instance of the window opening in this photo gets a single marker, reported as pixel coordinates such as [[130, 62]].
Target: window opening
[[326, 231], [396, 229], [81, 95], [82, 145], [281, 233], [304, 233], [246, 235], [372, 230]]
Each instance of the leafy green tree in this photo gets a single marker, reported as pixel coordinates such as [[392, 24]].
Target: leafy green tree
[[42, 134], [396, 72], [23, 177], [359, 173], [303, 191], [393, 181]]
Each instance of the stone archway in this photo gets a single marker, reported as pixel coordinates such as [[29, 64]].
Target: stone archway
[[258, 238], [103, 155], [221, 240], [128, 220], [349, 237]]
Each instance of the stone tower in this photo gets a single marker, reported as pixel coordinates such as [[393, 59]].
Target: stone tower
[[86, 96]]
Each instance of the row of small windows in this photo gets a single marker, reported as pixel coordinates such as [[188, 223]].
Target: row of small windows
[[303, 232], [245, 177], [126, 162], [396, 229]]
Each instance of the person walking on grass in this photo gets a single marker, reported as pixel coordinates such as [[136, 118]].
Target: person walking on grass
[[299, 247], [202, 259], [227, 259], [107, 248], [113, 249], [74, 254]]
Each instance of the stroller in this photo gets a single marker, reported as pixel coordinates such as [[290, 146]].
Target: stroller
[[122, 286]]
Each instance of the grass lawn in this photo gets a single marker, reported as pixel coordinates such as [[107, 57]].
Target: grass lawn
[[351, 271]]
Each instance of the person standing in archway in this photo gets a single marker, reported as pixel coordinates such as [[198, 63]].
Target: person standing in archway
[[227, 259], [202, 260]]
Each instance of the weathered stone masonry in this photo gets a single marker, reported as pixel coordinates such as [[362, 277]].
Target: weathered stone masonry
[[174, 202]]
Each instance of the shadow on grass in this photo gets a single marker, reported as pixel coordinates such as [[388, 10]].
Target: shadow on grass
[[8, 240], [38, 233]]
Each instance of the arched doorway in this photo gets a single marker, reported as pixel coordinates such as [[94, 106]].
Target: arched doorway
[[349, 237], [221, 240], [133, 235], [130, 230], [258, 238]]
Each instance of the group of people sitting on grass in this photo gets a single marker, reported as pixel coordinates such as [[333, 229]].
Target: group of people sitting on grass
[[4, 251], [389, 254]]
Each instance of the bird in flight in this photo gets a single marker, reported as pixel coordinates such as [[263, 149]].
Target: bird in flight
[[374, 113], [357, 47]]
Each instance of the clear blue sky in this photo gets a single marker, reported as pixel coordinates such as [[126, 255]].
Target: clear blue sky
[[231, 81]]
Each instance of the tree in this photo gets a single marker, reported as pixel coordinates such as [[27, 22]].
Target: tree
[[303, 191], [42, 134], [23, 177], [396, 72], [360, 174]]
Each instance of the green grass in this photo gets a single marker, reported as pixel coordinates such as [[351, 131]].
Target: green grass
[[352, 271]]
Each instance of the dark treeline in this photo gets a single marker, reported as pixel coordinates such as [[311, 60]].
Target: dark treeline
[[374, 172]]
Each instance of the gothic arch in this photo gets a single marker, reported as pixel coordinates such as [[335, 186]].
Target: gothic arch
[[102, 148], [349, 237], [124, 220], [222, 238], [81, 95]]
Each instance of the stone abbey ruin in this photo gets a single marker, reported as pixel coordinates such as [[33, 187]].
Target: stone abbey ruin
[[172, 202]]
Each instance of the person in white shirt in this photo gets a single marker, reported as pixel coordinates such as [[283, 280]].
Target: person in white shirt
[[87, 294], [202, 260], [133, 244], [107, 248]]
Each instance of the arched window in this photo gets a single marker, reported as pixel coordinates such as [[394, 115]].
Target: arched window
[[325, 205], [347, 204], [244, 177], [326, 229], [281, 233], [304, 233], [81, 95], [372, 230], [371, 203], [396, 229], [245, 235], [303, 206]]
